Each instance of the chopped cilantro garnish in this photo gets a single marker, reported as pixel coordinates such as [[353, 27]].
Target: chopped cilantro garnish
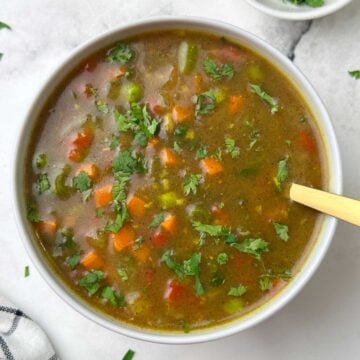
[[253, 247], [231, 149], [191, 183], [266, 97], [282, 174], [282, 231], [26, 271], [112, 296], [73, 261], [312, 3], [4, 26], [218, 154], [91, 281], [65, 238], [102, 106], [222, 258], [32, 213], [82, 182], [126, 163], [218, 72], [120, 53], [217, 279], [129, 355], [181, 130], [212, 230], [43, 183], [41, 161], [157, 220], [121, 215], [190, 267], [201, 153], [204, 103], [237, 291], [265, 281], [114, 142], [355, 74], [123, 274]]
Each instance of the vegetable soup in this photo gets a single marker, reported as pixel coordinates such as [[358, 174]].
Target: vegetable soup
[[157, 180]]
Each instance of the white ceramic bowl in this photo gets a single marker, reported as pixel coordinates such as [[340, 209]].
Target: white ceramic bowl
[[334, 181], [285, 10]]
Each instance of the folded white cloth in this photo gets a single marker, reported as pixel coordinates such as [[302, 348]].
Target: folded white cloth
[[20, 337]]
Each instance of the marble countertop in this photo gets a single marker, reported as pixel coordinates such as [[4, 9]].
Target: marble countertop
[[323, 321]]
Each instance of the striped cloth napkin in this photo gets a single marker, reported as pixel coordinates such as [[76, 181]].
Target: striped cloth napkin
[[20, 337]]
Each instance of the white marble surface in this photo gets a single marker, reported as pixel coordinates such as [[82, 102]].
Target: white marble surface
[[323, 322]]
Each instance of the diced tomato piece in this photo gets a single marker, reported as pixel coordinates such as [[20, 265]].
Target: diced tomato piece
[[228, 53], [307, 141], [168, 157], [155, 107], [174, 291], [83, 139], [220, 217], [76, 154], [181, 113], [235, 103], [159, 239]]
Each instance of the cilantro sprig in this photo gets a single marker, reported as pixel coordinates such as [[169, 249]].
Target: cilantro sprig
[[218, 72], [274, 104]]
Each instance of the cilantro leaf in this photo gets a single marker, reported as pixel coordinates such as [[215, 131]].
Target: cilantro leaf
[[314, 3], [120, 53], [222, 258], [73, 261], [129, 355], [266, 97], [43, 183], [231, 149], [281, 231], [201, 153], [253, 247], [32, 213], [26, 271], [112, 296], [102, 106], [82, 182], [41, 161], [218, 72], [204, 103], [171, 264], [212, 230], [355, 74], [157, 220], [117, 224], [125, 163], [237, 291], [91, 281], [282, 174], [4, 26], [123, 274], [265, 283], [191, 183]]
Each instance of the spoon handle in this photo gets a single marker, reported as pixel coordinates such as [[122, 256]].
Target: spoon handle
[[335, 205]]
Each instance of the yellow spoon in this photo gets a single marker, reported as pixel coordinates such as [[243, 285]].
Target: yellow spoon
[[335, 205]]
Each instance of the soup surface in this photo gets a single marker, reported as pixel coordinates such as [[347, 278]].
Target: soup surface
[[157, 180]]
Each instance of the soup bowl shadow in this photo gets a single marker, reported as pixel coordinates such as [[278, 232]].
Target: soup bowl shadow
[[331, 158]]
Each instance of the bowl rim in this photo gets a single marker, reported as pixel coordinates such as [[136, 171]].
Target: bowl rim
[[315, 255], [313, 13]]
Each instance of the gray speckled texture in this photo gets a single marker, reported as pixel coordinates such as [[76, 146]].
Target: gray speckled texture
[[323, 321]]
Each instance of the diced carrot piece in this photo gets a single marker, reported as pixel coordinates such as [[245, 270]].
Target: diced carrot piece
[[142, 254], [102, 195], [181, 113], [307, 141], [46, 228], [91, 260], [169, 224], [168, 157], [236, 103], [90, 169], [198, 81], [136, 206], [159, 240], [76, 154], [211, 166], [123, 238]]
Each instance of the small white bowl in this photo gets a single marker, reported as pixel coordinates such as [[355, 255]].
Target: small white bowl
[[285, 10], [332, 163]]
